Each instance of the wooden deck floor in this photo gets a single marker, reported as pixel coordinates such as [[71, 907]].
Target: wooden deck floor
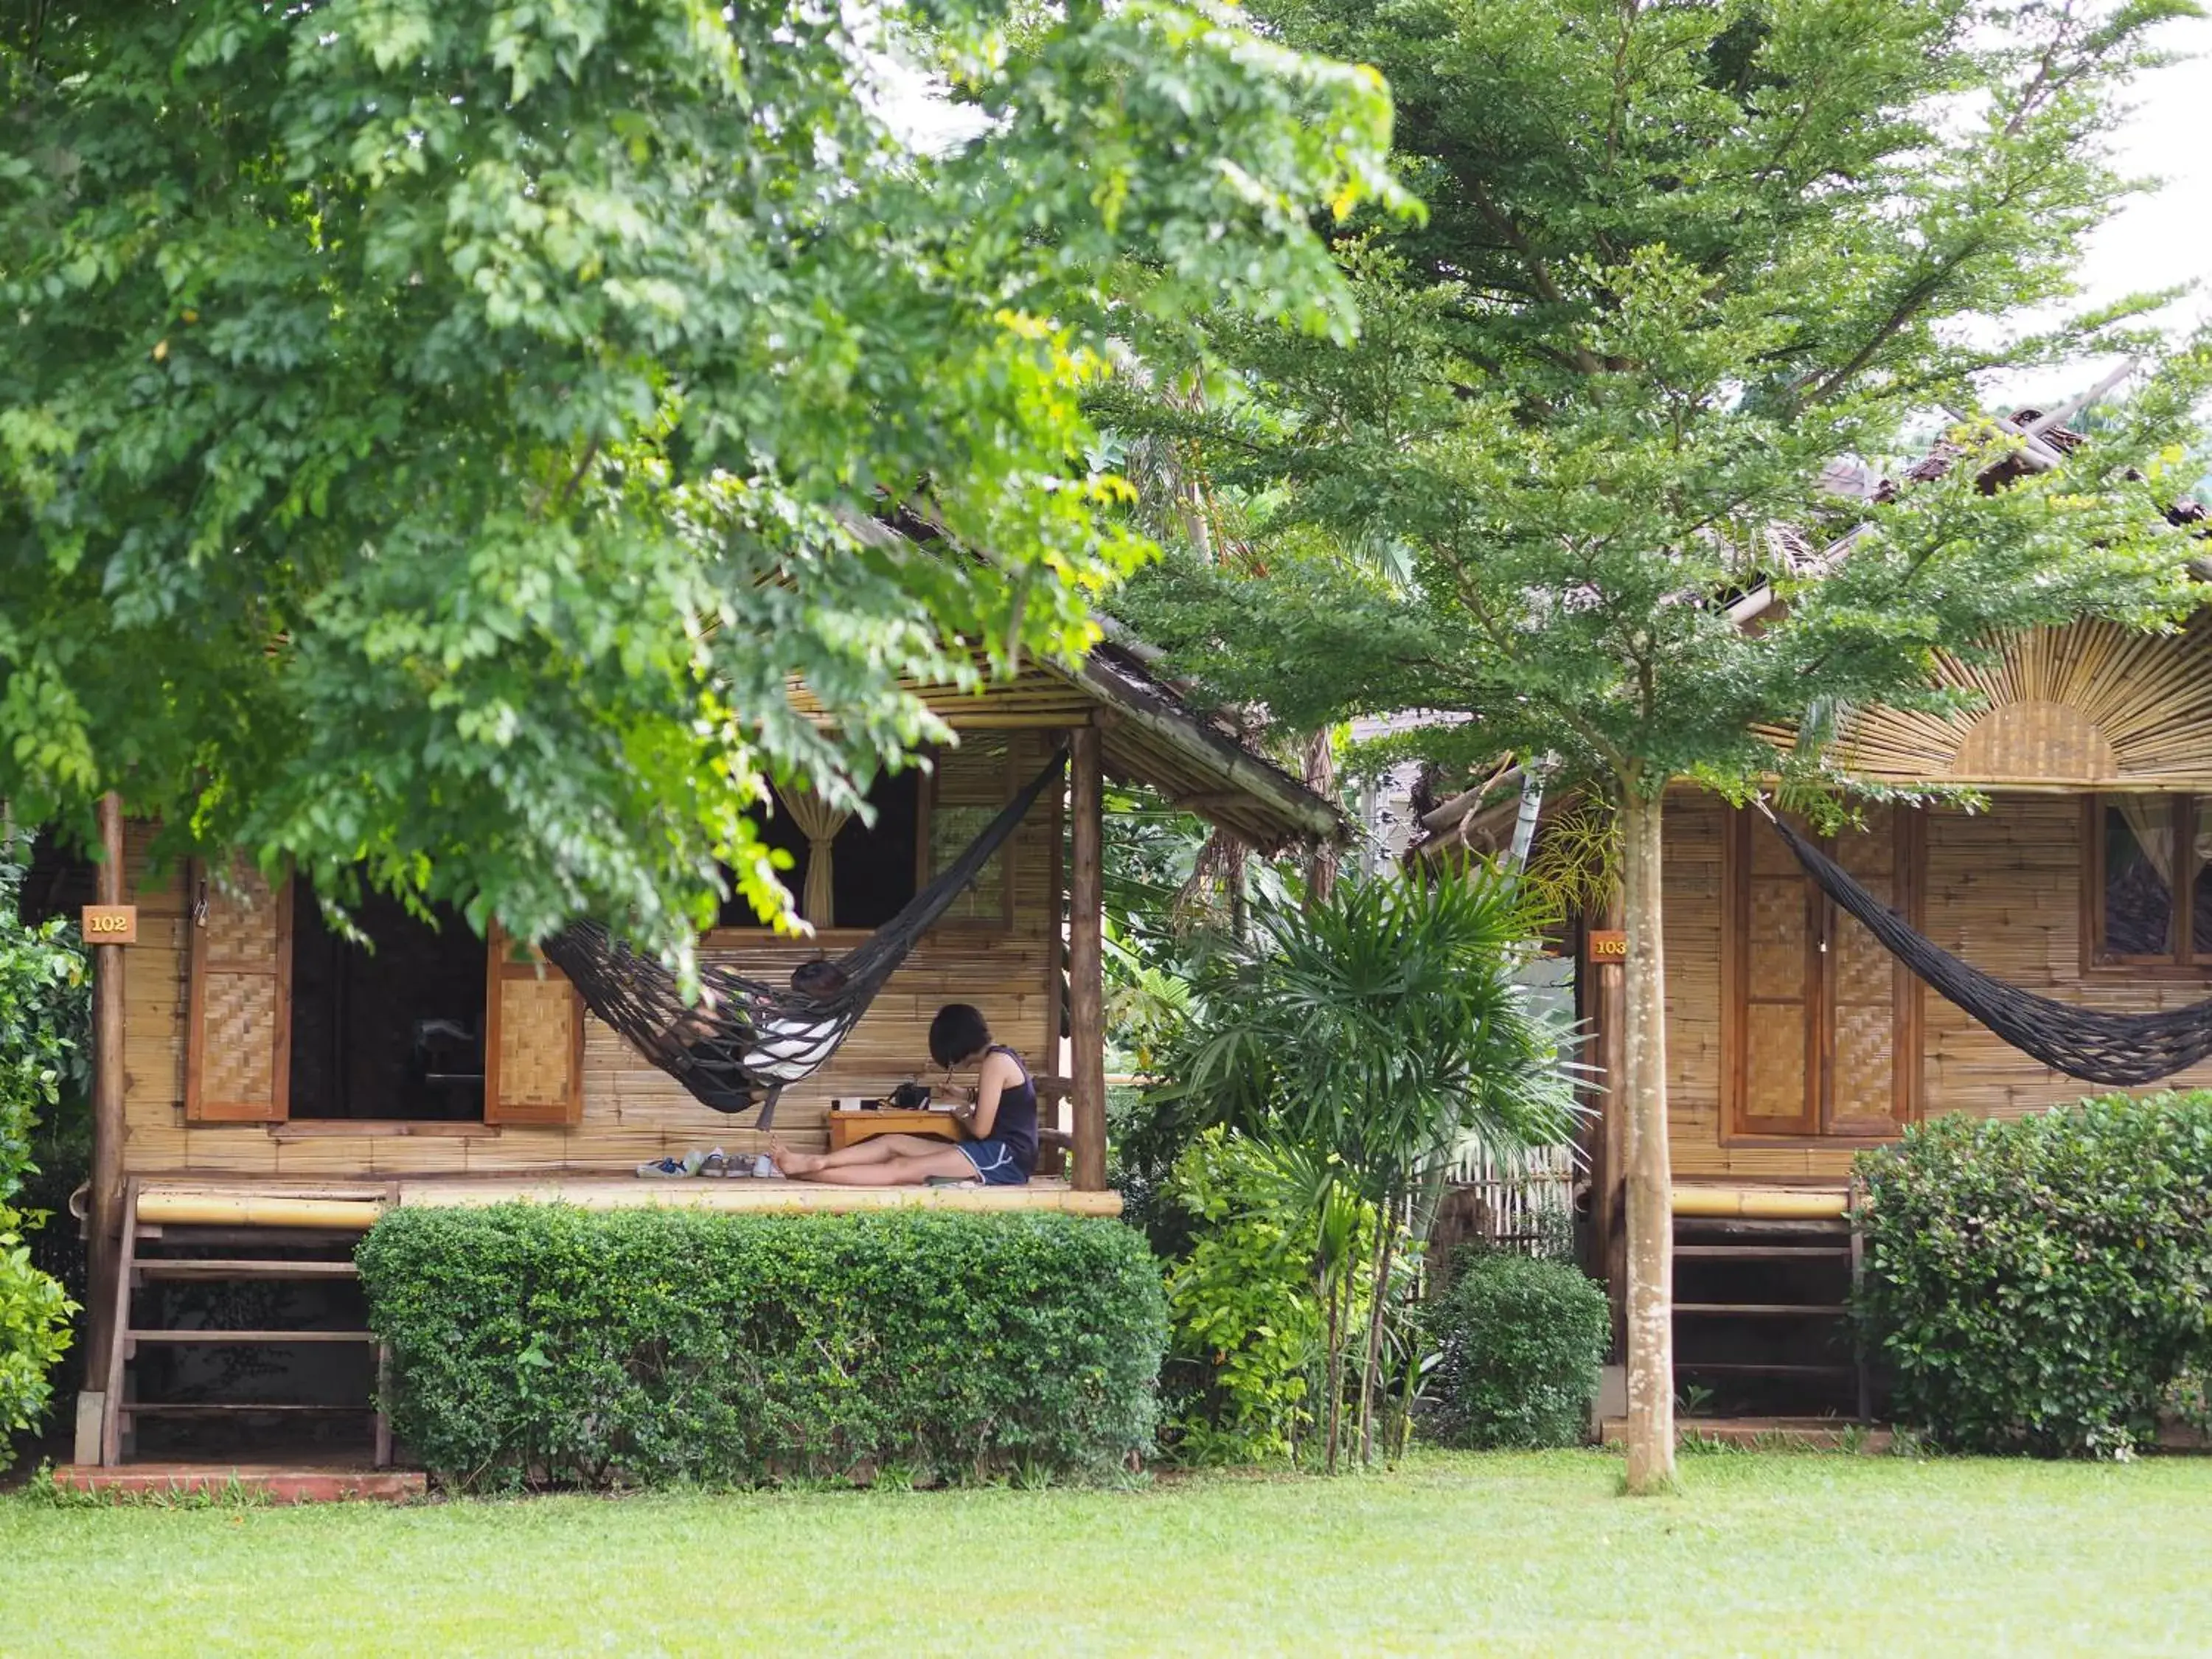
[[182, 1201], [699, 1192]]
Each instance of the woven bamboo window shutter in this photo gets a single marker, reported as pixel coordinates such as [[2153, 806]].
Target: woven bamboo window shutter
[[238, 1037], [533, 1039]]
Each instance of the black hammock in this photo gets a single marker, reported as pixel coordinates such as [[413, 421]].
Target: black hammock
[[2096, 1048], [743, 1042]]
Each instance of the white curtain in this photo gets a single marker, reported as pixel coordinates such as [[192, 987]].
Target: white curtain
[[2150, 820], [819, 821]]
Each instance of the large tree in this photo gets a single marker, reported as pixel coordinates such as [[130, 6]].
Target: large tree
[[1683, 259], [431, 431]]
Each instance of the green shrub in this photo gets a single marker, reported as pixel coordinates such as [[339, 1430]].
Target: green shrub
[[44, 1005], [1519, 1345], [45, 1001], [1247, 1316], [537, 1343], [33, 1332], [2044, 1284]]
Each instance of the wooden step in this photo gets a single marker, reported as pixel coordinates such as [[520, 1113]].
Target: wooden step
[[236, 1407], [1764, 1309], [255, 1339], [241, 1267], [1735, 1368], [1762, 1252]]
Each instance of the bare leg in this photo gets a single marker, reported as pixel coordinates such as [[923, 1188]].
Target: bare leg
[[905, 1170], [876, 1148]]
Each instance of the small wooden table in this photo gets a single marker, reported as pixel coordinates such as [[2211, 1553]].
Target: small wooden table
[[848, 1127]]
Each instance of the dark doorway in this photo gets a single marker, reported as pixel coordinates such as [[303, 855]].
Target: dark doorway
[[392, 1030], [57, 881]]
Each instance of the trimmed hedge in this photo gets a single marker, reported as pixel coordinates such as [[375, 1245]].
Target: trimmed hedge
[[1520, 1344], [543, 1344], [2045, 1284]]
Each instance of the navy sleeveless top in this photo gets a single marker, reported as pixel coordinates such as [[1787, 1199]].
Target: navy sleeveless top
[[1015, 1127]]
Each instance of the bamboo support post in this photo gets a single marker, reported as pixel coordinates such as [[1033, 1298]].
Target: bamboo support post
[[106, 1197], [1086, 962]]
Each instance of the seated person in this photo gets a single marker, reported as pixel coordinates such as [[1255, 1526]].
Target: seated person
[[1002, 1122]]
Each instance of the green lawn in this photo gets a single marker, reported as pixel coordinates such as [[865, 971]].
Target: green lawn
[[1783, 1554]]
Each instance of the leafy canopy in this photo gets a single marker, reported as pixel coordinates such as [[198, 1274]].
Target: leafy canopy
[[431, 431], [1683, 262]]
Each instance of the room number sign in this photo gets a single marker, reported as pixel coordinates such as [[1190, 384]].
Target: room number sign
[[110, 924], [1606, 945]]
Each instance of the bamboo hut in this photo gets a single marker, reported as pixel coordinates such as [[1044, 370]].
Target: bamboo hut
[[264, 1088]]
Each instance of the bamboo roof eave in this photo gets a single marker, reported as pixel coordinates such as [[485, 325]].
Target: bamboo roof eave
[[1152, 736], [1253, 797]]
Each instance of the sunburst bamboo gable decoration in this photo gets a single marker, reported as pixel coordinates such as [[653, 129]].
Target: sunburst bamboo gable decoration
[[2090, 705]]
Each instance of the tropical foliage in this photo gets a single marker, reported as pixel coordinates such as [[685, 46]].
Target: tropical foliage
[[1686, 267], [1368, 1041], [43, 1010], [1246, 1319], [431, 431]]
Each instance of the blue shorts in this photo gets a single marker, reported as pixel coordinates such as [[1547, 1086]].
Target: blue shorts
[[994, 1163]]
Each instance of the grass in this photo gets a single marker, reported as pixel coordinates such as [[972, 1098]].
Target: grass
[[1765, 1553]]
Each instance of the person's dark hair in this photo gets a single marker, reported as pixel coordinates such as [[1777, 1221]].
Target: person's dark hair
[[819, 980], [958, 1032]]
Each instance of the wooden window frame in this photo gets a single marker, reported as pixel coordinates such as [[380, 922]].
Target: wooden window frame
[[1010, 785], [2178, 961], [1909, 854], [759, 936]]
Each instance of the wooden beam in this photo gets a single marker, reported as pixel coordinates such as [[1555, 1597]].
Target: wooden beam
[[1086, 963], [1150, 709], [1606, 1001], [107, 1196]]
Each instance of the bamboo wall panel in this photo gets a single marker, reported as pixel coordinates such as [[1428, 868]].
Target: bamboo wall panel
[[2003, 892], [2090, 702], [633, 1112]]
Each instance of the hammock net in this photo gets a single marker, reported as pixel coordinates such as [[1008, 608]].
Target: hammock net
[[2117, 1049], [746, 1040]]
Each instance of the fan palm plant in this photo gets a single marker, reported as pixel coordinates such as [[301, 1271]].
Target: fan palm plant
[[1373, 1036]]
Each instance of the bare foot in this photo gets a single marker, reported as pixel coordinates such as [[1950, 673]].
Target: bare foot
[[795, 1163]]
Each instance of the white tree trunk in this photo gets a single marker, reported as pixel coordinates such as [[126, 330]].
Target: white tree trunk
[[1642, 1096]]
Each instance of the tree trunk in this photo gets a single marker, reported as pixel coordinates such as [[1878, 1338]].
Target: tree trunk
[[1320, 856], [1332, 1370], [1370, 1386], [1643, 1093]]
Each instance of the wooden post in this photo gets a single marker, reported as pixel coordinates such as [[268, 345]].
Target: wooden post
[[1605, 1008], [1086, 1010], [107, 1196]]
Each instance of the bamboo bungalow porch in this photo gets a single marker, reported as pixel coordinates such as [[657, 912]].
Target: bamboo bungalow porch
[[262, 1090]]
